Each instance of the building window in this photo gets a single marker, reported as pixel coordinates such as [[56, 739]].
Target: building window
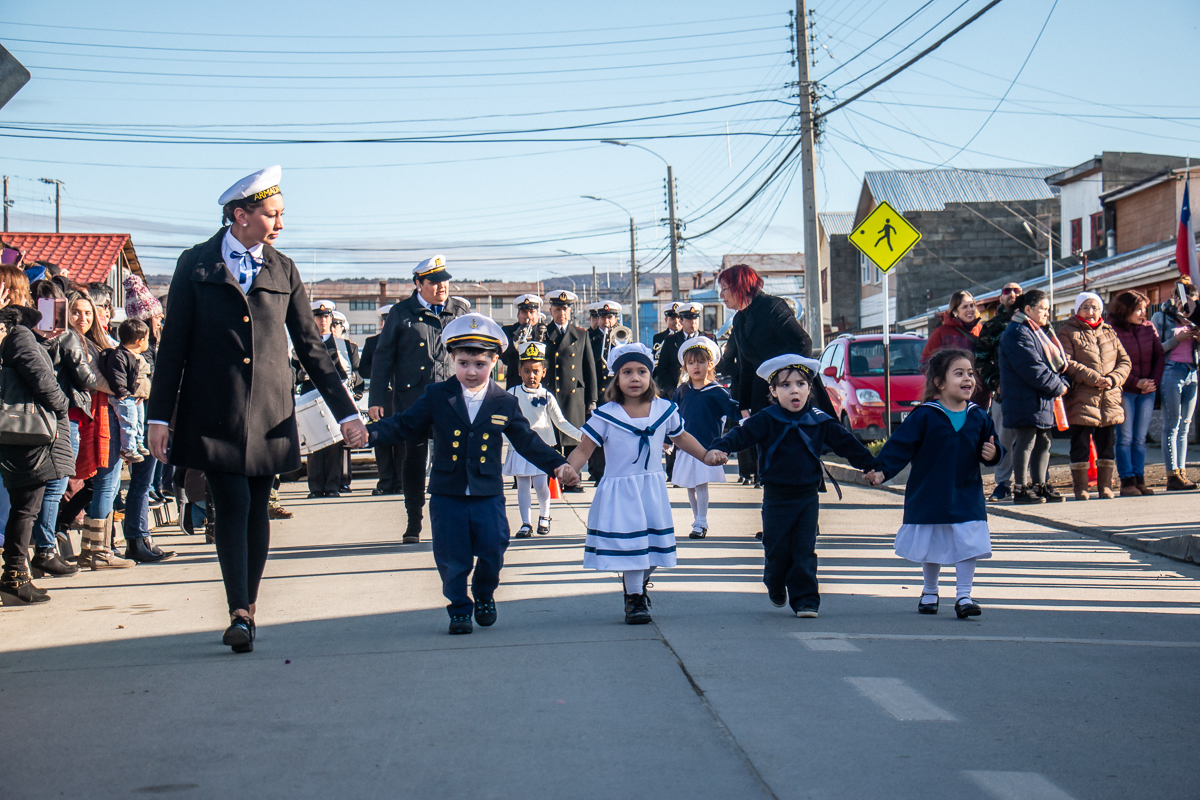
[[363, 305], [497, 303], [1076, 235], [864, 269], [362, 330], [1098, 229], [824, 286]]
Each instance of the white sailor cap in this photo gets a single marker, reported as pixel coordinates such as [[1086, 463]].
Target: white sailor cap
[[671, 309], [383, 310], [462, 300], [609, 307], [322, 307], [809, 366], [527, 302], [474, 330], [593, 309], [690, 310], [340, 317], [634, 351], [256, 187], [700, 343], [432, 269], [534, 351], [562, 297]]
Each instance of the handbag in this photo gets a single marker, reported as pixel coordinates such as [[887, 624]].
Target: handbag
[[23, 421]]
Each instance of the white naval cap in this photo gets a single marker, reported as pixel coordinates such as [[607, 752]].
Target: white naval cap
[[671, 309], [700, 343], [534, 351], [528, 302], [340, 317], [383, 310], [634, 351], [258, 186], [322, 307], [474, 330], [808, 366], [432, 269], [562, 297], [690, 310], [609, 307]]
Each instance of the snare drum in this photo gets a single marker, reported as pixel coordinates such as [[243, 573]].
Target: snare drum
[[318, 429]]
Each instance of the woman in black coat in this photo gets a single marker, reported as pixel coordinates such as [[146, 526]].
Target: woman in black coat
[[27, 469], [223, 379]]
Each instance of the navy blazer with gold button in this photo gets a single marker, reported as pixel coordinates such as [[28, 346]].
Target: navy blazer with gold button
[[466, 454]]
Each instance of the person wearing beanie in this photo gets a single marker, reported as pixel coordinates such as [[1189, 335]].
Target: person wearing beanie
[[139, 302]]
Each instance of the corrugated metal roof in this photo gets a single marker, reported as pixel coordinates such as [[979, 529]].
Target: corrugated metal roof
[[837, 223], [931, 190], [87, 257]]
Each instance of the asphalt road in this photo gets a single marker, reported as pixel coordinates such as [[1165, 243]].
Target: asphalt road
[[1075, 683]]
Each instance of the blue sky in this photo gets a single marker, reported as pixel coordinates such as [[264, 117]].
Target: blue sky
[[212, 93]]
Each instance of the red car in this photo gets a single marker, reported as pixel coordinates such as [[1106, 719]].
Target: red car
[[852, 369]]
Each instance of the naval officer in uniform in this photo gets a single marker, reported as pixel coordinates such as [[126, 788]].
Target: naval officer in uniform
[[666, 351], [388, 458], [325, 468], [528, 328], [571, 366]]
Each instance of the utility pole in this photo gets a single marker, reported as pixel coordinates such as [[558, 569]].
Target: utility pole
[[674, 232], [815, 322], [7, 204], [57, 202], [595, 285], [633, 294]]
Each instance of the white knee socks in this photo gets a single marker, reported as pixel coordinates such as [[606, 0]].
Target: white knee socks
[[635, 580], [523, 497], [931, 572], [541, 485], [698, 498], [964, 575]]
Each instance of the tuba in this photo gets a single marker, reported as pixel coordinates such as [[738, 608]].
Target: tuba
[[618, 335]]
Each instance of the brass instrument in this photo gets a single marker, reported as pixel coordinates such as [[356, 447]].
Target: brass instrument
[[618, 335]]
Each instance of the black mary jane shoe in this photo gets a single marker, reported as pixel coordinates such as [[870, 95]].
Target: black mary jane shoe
[[543, 528], [524, 532], [927, 608], [778, 599], [460, 623], [966, 607], [485, 612], [239, 636], [698, 533]]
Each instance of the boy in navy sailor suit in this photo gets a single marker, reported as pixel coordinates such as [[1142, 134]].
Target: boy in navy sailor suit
[[468, 415]]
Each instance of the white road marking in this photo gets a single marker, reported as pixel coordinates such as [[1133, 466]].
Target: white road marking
[[900, 700], [831, 645], [1017, 785], [922, 637]]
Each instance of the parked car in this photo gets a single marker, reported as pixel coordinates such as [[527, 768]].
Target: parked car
[[852, 369]]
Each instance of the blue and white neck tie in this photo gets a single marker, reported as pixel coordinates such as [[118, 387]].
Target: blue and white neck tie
[[437, 310], [248, 267]]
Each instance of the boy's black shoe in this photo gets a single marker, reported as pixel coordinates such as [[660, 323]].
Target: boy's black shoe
[[966, 607], [485, 612], [927, 608], [1027, 495], [636, 612], [524, 532], [460, 623], [806, 611], [778, 599]]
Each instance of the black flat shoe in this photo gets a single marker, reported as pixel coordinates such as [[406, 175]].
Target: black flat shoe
[[240, 635], [927, 608], [698, 533], [778, 599], [460, 623], [543, 527], [758, 536], [637, 611], [485, 612], [966, 607], [378, 492], [524, 532]]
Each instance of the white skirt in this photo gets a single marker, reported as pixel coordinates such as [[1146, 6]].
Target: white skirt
[[515, 464], [630, 525], [690, 472], [944, 544]]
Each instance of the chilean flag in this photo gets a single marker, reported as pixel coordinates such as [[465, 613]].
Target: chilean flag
[[1185, 244]]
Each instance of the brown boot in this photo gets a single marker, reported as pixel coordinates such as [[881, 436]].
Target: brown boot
[[1140, 482], [1105, 469], [1129, 487], [1079, 481], [1177, 481], [95, 552]]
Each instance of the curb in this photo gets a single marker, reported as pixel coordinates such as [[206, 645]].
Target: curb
[[1180, 548]]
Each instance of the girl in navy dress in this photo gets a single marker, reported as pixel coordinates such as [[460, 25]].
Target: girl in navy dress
[[704, 405], [946, 438]]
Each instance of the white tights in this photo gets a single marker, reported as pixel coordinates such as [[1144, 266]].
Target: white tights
[[539, 483], [635, 579], [698, 497], [964, 576]]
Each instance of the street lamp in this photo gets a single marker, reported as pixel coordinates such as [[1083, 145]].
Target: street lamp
[[670, 209], [595, 290], [633, 286]]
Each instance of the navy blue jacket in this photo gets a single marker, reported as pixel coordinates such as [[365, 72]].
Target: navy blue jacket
[[703, 409], [1028, 384], [789, 445], [945, 485], [466, 454]]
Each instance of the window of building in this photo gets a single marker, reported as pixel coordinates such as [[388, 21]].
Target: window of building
[[362, 330], [1076, 235], [824, 286], [363, 305], [1098, 229], [497, 303], [864, 269]]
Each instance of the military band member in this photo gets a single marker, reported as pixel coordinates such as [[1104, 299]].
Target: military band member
[[690, 322], [666, 350], [593, 310], [388, 458], [609, 312], [528, 328], [571, 366], [325, 466]]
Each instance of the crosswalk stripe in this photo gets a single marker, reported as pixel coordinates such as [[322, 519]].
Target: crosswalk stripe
[[900, 700], [922, 637], [831, 645], [1017, 785]]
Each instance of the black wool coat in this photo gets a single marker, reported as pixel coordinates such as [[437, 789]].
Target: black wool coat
[[571, 372], [510, 358], [667, 368], [367, 357], [410, 354], [223, 374], [762, 330], [23, 354]]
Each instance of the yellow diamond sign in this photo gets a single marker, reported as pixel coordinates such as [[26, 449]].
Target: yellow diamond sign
[[885, 237]]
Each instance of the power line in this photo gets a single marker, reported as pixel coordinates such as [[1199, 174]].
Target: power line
[[926, 5]]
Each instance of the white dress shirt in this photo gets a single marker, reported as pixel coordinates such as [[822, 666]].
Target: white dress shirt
[[230, 245], [474, 400]]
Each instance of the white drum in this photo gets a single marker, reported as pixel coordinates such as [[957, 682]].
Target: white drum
[[318, 429]]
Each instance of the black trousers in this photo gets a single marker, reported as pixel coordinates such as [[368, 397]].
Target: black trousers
[[1083, 435], [469, 533], [790, 541], [325, 469], [242, 530], [414, 455], [26, 504], [388, 459]]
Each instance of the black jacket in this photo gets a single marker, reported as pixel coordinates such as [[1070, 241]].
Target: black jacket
[[572, 371], [1028, 383], [467, 454], [223, 373], [666, 360], [353, 381], [367, 357], [74, 366], [510, 357], [22, 353], [120, 368], [410, 354]]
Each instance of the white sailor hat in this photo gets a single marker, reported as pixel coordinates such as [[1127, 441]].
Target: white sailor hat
[[690, 310], [593, 309], [383, 310], [700, 343], [671, 309], [634, 351], [609, 307], [340, 317], [474, 330], [256, 187], [562, 297], [809, 366], [534, 351], [527, 302], [462, 300], [322, 307], [432, 269]]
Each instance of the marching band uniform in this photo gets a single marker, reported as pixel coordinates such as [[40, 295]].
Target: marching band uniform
[[325, 467], [571, 367], [666, 352], [516, 332], [602, 345], [388, 459], [466, 504]]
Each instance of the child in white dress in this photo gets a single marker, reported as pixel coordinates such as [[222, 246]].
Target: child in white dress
[[541, 409], [630, 530]]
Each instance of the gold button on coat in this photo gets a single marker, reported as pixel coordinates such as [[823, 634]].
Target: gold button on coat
[[245, 319], [245, 361], [483, 447], [454, 444], [454, 458], [458, 433], [482, 459], [485, 436]]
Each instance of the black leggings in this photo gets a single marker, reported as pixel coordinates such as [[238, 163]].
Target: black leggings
[[26, 504], [1031, 455], [1082, 437], [242, 531]]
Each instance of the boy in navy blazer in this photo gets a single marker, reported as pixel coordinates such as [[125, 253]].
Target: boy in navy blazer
[[469, 415]]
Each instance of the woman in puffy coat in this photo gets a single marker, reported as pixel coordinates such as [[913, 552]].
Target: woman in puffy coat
[[959, 331], [1127, 315], [27, 469], [1098, 366]]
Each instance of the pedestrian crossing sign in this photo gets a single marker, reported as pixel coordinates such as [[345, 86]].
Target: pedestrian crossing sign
[[885, 237]]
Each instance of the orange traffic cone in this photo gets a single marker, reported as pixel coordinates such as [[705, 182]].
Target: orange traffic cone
[[555, 494], [1092, 464]]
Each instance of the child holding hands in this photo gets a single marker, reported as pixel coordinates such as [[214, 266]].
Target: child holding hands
[[946, 438]]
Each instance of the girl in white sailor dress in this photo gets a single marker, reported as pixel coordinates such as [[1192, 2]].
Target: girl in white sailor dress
[[541, 409], [630, 530]]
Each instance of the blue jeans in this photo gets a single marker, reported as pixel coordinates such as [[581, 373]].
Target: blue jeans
[[1131, 434], [1178, 406], [43, 529], [107, 482], [129, 418], [137, 499]]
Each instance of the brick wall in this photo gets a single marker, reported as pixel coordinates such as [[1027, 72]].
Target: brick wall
[[1146, 217]]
